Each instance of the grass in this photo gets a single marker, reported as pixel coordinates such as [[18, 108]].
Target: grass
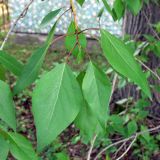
[[56, 54]]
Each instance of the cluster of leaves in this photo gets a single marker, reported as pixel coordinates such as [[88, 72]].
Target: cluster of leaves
[[62, 97]]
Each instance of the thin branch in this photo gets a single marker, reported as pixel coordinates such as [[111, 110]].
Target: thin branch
[[119, 149], [91, 147], [69, 54], [154, 73], [150, 25], [74, 13], [129, 147], [127, 139], [22, 15], [63, 14]]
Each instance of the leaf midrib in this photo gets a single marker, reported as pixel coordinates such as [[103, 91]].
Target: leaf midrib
[[53, 106], [125, 60]]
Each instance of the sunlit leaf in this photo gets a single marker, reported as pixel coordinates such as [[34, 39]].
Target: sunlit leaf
[[97, 91], [49, 17], [55, 104], [122, 60]]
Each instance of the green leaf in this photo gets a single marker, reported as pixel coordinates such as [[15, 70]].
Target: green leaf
[[7, 107], [71, 40], [97, 91], [132, 127], [2, 73], [80, 2], [122, 60], [134, 6], [49, 17], [21, 148], [56, 91], [61, 156], [108, 8], [100, 13], [10, 63], [157, 48], [87, 122], [119, 8], [31, 69], [117, 124], [4, 148]]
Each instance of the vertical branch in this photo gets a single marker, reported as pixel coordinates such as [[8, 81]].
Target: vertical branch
[[73, 8], [91, 147]]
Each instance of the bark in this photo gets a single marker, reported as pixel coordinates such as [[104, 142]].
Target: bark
[[140, 24]]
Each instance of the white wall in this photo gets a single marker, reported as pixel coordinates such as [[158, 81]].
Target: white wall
[[87, 16]]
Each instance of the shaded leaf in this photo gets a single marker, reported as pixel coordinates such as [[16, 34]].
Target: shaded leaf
[[7, 107], [11, 63], [4, 148], [132, 127], [87, 122], [21, 148], [2, 73]]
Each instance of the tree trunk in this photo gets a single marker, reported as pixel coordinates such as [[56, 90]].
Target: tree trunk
[[136, 26], [141, 24]]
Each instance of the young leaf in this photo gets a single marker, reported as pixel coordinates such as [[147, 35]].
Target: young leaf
[[71, 40], [61, 156], [31, 69], [117, 124], [21, 148], [132, 127], [100, 13], [55, 104], [4, 148], [49, 17], [80, 2], [10, 63], [7, 108], [108, 8], [97, 89], [122, 60]]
